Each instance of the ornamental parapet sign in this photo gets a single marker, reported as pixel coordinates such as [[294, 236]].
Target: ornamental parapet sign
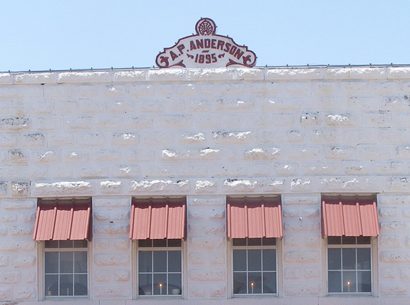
[[206, 49]]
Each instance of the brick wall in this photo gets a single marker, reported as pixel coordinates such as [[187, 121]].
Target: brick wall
[[205, 134]]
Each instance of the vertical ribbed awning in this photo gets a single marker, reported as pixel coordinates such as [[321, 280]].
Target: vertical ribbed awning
[[63, 220], [254, 218], [349, 218], [158, 219]]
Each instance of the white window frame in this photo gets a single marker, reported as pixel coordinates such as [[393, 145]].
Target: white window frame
[[135, 251], [373, 265], [277, 247], [41, 274]]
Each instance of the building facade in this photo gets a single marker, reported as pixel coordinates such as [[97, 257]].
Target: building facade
[[205, 186]]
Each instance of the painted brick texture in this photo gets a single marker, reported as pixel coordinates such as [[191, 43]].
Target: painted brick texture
[[205, 134]]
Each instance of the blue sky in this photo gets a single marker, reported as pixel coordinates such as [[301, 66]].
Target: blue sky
[[52, 34]]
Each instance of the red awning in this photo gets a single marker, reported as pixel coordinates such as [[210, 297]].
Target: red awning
[[158, 219], [62, 221], [255, 219], [349, 219]]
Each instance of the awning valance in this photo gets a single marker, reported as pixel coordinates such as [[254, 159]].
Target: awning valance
[[254, 219], [158, 219], [349, 218], [65, 220]]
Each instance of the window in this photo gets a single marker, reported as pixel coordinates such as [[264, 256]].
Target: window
[[253, 225], [159, 267], [65, 268], [349, 223], [158, 226], [63, 229], [254, 266], [349, 265]]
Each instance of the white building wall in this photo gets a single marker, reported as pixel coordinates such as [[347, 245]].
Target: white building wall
[[205, 134]]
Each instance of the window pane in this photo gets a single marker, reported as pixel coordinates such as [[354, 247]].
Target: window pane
[[269, 241], [363, 240], [174, 243], [145, 243], [80, 262], [334, 259], [80, 244], [239, 260], [51, 262], [254, 241], [174, 261], [254, 260], [66, 262], [363, 259], [334, 240], [160, 261], [239, 283], [335, 281], [269, 282], [160, 284], [51, 285], [254, 282], [349, 258], [349, 281], [239, 242], [66, 284], [160, 243], [174, 284], [364, 281], [51, 244], [80, 284], [348, 240], [145, 261], [269, 260], [66, 243], [145, 284]]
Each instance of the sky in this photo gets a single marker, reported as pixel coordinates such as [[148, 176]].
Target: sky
[[80, 34]]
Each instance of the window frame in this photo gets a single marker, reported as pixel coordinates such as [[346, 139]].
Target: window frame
[[41, 273], [135, 282], [278, 251], [373, 267]]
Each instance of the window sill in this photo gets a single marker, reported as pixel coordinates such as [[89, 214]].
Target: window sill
[[65, 298], [159, 297], [351, 294], [256, 296]]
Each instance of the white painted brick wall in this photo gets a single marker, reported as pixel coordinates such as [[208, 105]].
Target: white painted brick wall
[[206, 248], [205, 134], [110, 276], [302, 251]]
